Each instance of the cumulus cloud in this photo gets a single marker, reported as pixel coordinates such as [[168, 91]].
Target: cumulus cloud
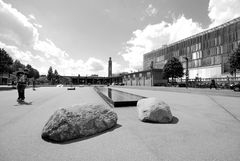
[[49, 49], [94, 64], [24, 56], [19, 36], [15, 27], [154, 36], [221, 11]]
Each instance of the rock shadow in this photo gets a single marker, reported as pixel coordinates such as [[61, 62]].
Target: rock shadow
[[175, 120], [84, 138]]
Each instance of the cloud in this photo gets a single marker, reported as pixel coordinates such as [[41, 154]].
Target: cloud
[[24, 56], [15, 27], [94, 64], [154, 36], [151, 11], [221, 11], [49, 49], [19, 36], [31, 16]]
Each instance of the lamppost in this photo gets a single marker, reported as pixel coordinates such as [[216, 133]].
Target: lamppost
[[187, 72], [151, 67]]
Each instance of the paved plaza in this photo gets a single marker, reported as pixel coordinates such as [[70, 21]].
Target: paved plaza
[[206, 126]]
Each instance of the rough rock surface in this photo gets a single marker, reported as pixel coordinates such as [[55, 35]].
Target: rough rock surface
[[154, 110], [78, 121]]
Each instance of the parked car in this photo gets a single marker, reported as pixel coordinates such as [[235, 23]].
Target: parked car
[[236, 87], [59, 85]]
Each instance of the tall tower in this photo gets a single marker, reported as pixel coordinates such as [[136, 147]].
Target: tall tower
[[110, 67]]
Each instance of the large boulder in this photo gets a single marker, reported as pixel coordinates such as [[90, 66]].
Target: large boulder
[[78, 121], [154, 110]]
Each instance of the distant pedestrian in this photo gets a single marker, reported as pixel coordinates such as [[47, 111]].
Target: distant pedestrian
[[21, 84], [34, 83], [213, 84]]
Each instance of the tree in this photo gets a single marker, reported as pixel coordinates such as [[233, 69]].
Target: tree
[[173, 69], [36, 73], [234, 61], [42, 79], [56, 76], [33, 73], [50, 74], [16, 65], [5, 61]]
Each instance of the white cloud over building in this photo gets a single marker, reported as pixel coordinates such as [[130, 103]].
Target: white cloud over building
[[154, 36]]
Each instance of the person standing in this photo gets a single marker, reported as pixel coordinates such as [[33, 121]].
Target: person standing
[[21, 84], [34, 84], [213, 84]]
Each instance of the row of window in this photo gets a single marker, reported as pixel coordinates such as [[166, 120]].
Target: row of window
[[140, 75], [218, 50], [177, 50]]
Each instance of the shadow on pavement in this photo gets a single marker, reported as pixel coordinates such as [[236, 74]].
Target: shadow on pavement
[[84, 138], [175, 120]]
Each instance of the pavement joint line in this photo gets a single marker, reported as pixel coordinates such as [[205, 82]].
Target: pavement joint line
[[199, 91], [224, 108]]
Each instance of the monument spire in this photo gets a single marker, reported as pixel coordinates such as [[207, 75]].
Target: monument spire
[[110, 67]]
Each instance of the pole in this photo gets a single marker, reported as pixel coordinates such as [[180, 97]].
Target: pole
[[187, 72]]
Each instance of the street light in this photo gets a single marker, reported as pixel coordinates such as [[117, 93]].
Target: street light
[[151, 67], [187, 73]]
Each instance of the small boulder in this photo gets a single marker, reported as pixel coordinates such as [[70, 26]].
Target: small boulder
[[154, 110], [78, 121]]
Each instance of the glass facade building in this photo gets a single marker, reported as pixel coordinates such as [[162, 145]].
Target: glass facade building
[[207, 52]]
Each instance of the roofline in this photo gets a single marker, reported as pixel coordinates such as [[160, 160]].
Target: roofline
[[148, 70], [198, 34]]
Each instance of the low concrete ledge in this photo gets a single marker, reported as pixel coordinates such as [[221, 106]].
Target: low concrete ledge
[[121, 102]]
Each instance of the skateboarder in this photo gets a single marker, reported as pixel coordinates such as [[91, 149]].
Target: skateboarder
[[21, 84]]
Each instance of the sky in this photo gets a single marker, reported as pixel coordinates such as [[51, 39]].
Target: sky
[[78, 36]]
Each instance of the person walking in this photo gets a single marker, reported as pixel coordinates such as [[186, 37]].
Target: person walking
[[213, 84], [21, 84]]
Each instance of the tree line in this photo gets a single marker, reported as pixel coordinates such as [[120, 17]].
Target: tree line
[[8, 65]]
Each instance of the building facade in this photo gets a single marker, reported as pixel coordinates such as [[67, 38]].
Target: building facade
[[207, 52], [91, 80], [151, 77]]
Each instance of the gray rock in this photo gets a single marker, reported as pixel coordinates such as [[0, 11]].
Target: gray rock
[[78, 121], [154, 110]]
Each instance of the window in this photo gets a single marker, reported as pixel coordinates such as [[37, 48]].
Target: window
[[217, 59], [218, 50], [199, 62], [212, 60], [160, 58], [206, 61], [219, 40], [148, 75], [194, 55], [200, 54]]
